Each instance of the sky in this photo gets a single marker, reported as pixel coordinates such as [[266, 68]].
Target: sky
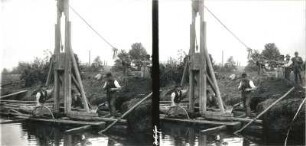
[[27, 27], [255, 22]]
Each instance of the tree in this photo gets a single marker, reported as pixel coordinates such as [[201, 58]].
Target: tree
[[138, 54], [33, 73], [4, 71], [270, 52], [230, 65], [97, 64], [254, 58], [123, 61]]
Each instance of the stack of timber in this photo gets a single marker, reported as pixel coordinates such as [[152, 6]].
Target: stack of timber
[[25, 110]]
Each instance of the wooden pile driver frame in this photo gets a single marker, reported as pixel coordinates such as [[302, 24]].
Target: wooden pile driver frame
[[63, 65], [199, 66]]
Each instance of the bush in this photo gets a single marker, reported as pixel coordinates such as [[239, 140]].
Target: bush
[[35, 72], [171, 73]]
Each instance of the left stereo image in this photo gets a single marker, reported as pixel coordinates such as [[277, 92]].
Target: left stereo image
[[76, 72]]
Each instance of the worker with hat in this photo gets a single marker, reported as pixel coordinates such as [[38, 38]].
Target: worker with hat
[[297, 63], [246, 86], [111, 87], [288, 67]]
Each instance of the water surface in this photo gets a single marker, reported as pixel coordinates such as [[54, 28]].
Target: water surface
[[29, 133]]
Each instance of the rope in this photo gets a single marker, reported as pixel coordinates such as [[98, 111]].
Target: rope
[[235, 36], [179, 107], [42, 106], [295, 116], [99, 35]]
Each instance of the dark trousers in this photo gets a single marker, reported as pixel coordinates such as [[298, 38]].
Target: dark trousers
[[246, 97], [297, 76], [111, 99], [287, 73]]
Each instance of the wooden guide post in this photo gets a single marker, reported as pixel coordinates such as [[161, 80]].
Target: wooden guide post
[[200, 65], [203, 73], [63, 64], [191, 73], [56, 64], [67, 74]]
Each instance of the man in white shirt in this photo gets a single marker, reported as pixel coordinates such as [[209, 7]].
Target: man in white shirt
[[111, 86], [42, 95], [246, 86], [288, 67]]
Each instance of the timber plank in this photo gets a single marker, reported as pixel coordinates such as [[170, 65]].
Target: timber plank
[[196, 121], [62, 121], [213, 129], [12, 94]]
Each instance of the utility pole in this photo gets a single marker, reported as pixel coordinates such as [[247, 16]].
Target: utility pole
[[89, 56], [222, 58]]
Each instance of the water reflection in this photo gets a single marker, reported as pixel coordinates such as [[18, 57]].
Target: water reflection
[[42, 134], [180, 135]]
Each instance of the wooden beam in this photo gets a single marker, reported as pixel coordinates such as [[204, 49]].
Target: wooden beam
[[211, 83], [49, 72], [56, 64], [77, 73], [13, 94], [77, 129], [212, 73], [67, 73], [191, 91], [245, 120], [191, 73], [203, 73], [184, 73], [62, 121], [213, 129], [12, 121], [200, 122], [76, 82]]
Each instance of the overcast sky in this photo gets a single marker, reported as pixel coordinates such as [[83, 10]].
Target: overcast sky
[[27, 27], [255, 22]]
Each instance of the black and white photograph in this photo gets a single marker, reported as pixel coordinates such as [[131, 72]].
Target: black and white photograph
[[232, 72], [152, 72], [76, 72]]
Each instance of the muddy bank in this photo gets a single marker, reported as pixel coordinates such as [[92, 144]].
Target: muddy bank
[[140, 119], [277, 120]]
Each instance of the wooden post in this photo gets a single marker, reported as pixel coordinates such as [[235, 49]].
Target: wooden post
[[203, 74], [56, 62], [191, 73], [67, 74]]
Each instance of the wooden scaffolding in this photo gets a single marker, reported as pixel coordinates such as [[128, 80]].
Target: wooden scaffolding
[[200, 66], [63, 65]]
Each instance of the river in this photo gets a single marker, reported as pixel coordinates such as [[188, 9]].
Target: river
[[183, 135], [29, 133], [43, 134]]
